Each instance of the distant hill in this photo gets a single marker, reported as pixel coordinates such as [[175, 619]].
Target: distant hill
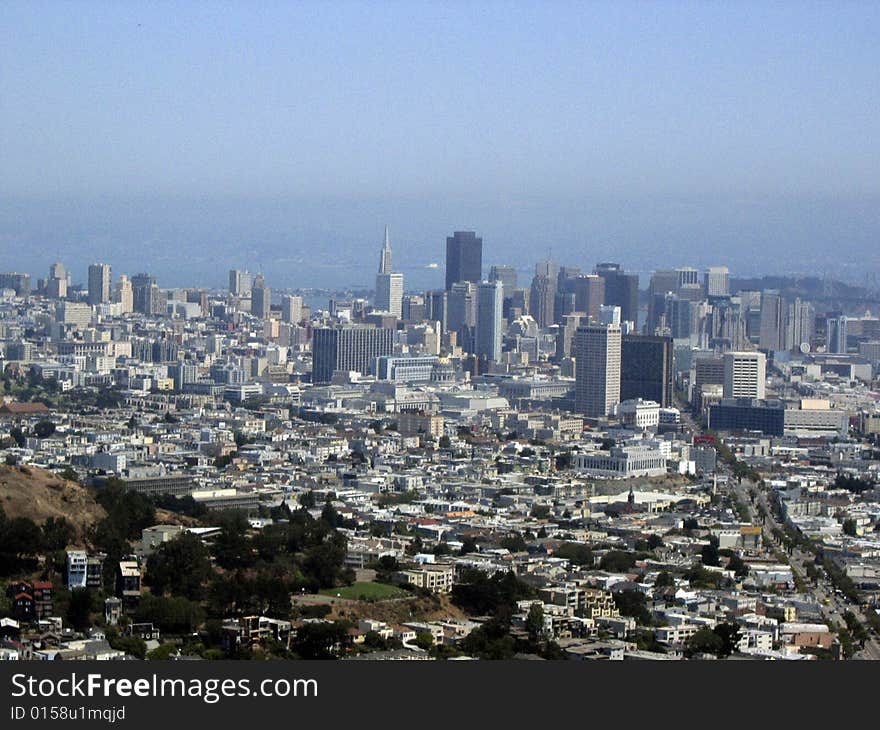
[[26, 491], [831, 292]]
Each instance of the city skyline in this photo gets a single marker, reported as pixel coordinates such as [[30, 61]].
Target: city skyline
[[686, 143]]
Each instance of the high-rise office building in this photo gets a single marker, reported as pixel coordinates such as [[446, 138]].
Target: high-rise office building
[[240, 283], [589, 294], [348, 348], [19, 283], [261, 298], [687, 277], [99, 283], [647, 369], [773, 311], [621, 289], [543, 299], [435, 307], [597, 369], [461, 307], [389, 294], [291, 308], [506, 275], [745, 374], [835, 335], [145, 294], [123, 294], [717, 281], [800, 325], [464, 258], [490, 303], [56, 284]]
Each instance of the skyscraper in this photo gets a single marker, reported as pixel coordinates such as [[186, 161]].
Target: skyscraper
[[389, 293], [597, 369], [56, 284], [835, 335], [717, 281], [543, 299], [773, 311], [589, 294], [435, 307], [490, 303], [124, 295], [239, 283], [261, 298], [291, 308], [99, 283], [348, 348], [621, 289], [646, 369], [745, 374], [385, 256], [464, 258], [389, 286], [461, 308], [145, 294], [506, 275]]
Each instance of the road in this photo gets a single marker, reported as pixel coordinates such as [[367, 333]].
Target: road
[[834, 605]]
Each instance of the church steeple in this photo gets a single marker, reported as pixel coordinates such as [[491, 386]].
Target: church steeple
[[385, 260]]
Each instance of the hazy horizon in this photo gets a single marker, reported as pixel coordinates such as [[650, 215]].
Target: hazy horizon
[[185, 139]]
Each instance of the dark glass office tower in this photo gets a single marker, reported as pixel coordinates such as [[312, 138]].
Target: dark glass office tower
[[464, 258], [352, 348], [621, 290], [646, 369]]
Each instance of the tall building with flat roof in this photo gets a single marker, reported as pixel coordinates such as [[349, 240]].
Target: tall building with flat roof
[[348, 348], [597, 369], [835, 335], [506, 275], [261, 299], [291, 308], [490, 303], [773, 312], [589, 294], [542, 300], [464, 258], [99, 283], [123, 294], [717, 281], [621, 290], [239, 283], [646, 369], [745, 374]]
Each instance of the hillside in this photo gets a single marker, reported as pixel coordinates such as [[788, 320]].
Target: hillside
[[38, 495]]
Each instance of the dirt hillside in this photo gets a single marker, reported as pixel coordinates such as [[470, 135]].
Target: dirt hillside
[[38, 495]]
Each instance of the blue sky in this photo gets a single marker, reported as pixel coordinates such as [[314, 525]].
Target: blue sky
[[285, 135]]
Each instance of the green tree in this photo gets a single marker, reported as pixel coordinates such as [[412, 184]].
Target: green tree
[[172, 615], [57, 533], [79, 609], [320, 640], [704, 641], [617, 561], [43, 429], [709, 554], [180, 567], [535, 622], [633, 603], [849, 527]]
